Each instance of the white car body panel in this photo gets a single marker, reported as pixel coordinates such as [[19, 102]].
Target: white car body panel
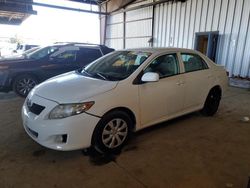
[[194, 80], [66, 85], [150, 103], [157, 103], [49, 129]]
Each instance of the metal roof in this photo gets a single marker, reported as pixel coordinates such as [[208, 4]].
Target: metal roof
[[14, 13], [90, 1]]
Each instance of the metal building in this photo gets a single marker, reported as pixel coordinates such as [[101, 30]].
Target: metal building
[[218, 28]]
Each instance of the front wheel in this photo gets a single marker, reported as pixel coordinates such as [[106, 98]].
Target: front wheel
[[212, 102], [23, 84], [112, 132]]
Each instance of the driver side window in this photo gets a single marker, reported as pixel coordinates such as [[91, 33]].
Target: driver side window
[[166, 65]]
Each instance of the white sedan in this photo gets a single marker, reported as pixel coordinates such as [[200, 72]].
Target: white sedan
[[101, 104]]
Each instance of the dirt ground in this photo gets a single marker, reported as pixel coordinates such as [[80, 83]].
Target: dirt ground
[[189, 152]]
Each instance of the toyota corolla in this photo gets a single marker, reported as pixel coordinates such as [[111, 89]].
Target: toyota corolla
[[100, 105]]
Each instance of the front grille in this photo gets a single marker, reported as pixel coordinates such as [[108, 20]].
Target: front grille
[[35, 108]]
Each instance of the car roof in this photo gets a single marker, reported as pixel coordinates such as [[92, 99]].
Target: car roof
[[76, 44], [162, 50], [81, 45]]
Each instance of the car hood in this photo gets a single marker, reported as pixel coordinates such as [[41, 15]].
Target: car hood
[[72, 87]]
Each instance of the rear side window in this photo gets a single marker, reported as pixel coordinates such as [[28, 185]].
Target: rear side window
[[193, 62], [88, 55]]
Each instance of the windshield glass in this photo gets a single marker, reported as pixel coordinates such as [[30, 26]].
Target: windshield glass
[[43, 52], [117, 65]]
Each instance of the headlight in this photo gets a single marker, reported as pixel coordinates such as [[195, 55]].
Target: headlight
[[66, 110]]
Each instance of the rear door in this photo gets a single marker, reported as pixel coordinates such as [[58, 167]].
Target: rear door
[[198, 80], [163, 99]]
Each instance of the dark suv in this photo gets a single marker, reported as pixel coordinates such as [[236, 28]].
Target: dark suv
[[23, 73]]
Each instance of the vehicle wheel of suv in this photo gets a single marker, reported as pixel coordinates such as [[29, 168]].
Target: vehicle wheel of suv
[[112, 132], [212, 102], [23, 84]]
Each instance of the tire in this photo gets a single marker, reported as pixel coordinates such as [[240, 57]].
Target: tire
[[112, 132], [23, 84], [212, 102]]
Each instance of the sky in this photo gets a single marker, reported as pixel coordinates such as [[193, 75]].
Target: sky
[[51, 25]]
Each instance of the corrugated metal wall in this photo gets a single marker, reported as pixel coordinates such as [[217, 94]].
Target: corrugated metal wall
[[176, 23], [114, 31], [132, 29], [138, 27]]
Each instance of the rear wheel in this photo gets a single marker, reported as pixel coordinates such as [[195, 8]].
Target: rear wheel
[[23, 84], [112, 132], [212, 102]]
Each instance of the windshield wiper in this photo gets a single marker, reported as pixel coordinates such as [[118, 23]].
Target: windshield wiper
[[101, 75], [87, 72]]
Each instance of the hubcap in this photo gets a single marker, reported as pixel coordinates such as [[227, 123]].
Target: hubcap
[[114, 133], [25, 85]]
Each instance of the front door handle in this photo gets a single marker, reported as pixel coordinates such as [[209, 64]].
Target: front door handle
[[180, 83]]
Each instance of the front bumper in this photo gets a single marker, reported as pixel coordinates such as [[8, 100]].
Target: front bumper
[[69, 133]]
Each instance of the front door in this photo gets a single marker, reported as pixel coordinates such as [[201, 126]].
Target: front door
[[161, 100], [61, 63]]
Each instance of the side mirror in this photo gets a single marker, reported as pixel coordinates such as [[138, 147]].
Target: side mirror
[[150, 77]]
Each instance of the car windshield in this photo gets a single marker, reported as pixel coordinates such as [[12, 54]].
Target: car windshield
[[116, 66], [43, 52]]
